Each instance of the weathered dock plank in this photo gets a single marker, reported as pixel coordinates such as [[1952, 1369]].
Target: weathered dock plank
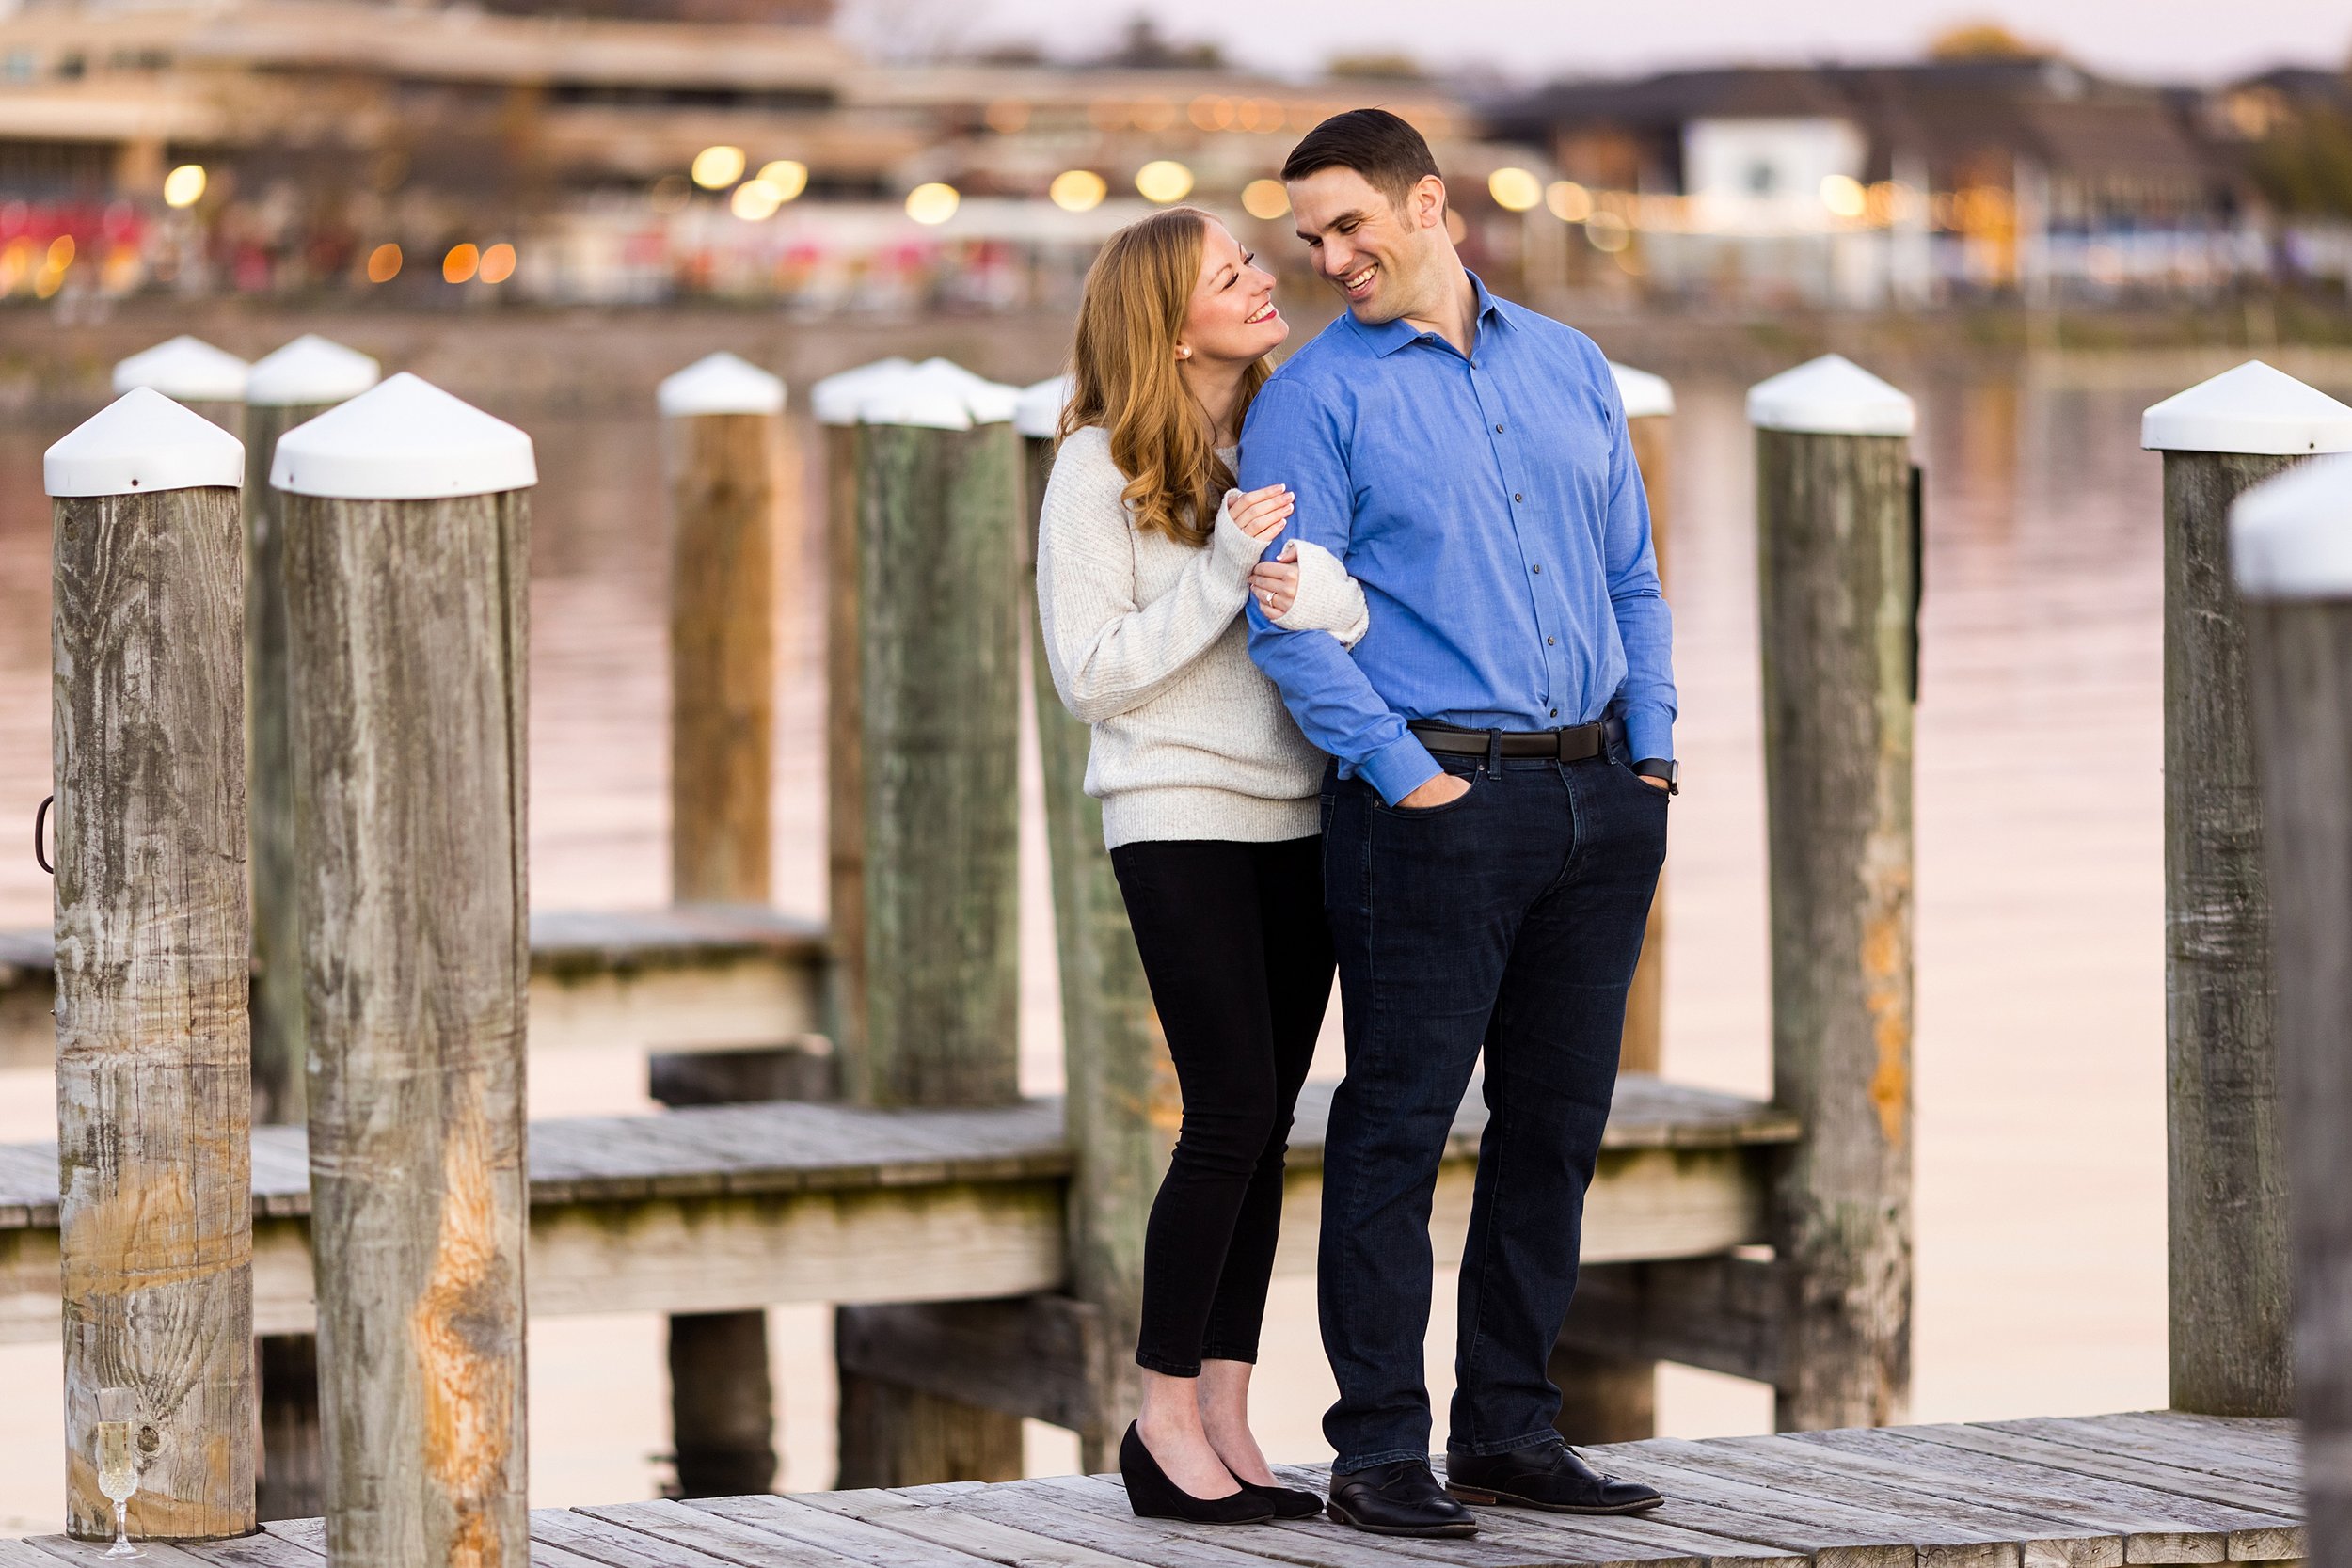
[[2113, 1466], [693, 977], [1915, 1496], [724, 1208]]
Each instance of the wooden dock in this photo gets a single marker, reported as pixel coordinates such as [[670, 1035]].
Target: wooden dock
[[690, 978], [2094, 1492], [724, 1208]]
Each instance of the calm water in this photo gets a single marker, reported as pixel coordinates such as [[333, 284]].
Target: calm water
[[2041, 1152]]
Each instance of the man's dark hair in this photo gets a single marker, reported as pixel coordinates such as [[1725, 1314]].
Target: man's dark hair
[[1387, 153]]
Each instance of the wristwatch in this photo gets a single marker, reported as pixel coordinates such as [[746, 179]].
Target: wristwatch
[[1661, 768]]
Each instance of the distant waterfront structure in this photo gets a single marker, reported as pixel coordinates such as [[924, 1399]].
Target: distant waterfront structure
[[646, 150]]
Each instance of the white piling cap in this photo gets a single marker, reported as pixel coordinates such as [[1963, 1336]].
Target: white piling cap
[[405, 440], [836, 399], [720, 383], [186, 367], [312, 369], [1830, 396], [1038, 412], [937, 394], [1643, 395], [2252, 409], [139, 442], [2291, 536]]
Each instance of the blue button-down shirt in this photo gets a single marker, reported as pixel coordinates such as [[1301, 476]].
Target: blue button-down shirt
[[1491, 508]]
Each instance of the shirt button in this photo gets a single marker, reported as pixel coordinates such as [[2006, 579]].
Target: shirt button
[[1498, 430], [1514, 495], [1548, 642], [1539, 571], [1555, 713]]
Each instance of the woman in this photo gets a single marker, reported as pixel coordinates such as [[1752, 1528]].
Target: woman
[[1146, 556]]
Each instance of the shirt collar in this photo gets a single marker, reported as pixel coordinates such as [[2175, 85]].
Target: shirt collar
[[1389, 336]]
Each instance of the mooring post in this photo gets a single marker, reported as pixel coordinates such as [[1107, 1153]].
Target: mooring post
[[1609, 1399], [2226, 1187], [834, 403], [2292, 540], [937, 686], [723, 452], [1119, 1104], [285, 389], [154, 1212], [407, 566], [1838, 568], [192, 371]]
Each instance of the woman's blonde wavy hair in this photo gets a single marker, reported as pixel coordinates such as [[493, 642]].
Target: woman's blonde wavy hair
[[1124, 363]]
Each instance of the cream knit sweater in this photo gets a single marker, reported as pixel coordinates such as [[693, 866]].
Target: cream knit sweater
[[1147, 643]]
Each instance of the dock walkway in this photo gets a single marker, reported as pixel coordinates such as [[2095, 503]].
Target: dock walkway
[[2096, 1492]]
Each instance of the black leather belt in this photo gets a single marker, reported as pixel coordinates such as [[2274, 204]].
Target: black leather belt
[[1577, 744]]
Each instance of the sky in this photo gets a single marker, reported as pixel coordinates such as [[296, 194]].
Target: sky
[[2184, 40]]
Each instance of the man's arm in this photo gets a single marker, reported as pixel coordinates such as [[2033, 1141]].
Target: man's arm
[[1291, 438], [1644, 626]]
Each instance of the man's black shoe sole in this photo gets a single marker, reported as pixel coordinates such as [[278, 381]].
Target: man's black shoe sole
[[1511, 1499], [1425, 1532]]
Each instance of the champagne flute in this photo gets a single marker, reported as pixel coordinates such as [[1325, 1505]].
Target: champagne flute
[[118, 1462]]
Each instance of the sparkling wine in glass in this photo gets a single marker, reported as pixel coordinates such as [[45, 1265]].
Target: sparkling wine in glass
[[117, 1463]]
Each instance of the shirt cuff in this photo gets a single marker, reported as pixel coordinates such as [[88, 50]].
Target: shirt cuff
[[1399, 768], [1649, 733]]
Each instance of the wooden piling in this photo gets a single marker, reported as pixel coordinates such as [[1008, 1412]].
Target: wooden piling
[[2228, 1270], [723, 451], [2289, 539], [154, 1181], [406, 565], [1609, 1399], [833, 402], [191, 372], [1120, 1104], [932, 679], [1838, 579], [290, 386]]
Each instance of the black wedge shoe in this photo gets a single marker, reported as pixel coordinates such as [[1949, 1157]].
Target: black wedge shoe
[[1152, 1496], [1289, 1503]]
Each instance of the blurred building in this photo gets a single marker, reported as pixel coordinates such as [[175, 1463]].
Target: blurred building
[[1902, 186]]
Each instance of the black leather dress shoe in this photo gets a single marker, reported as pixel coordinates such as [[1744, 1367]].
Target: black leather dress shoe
[[1402, 1498], [1547, 1476]]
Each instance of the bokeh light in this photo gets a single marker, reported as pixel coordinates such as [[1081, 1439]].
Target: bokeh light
[[183, 186], [1607, 233], [383, 263], [789, 176], [1164, 180], [932, 203], [1513, 189], [1078, 190], [754, 199], [1569, 202], [461, 263], [497, 263], [60, 253], [716, 168], [1265, 199], [1843, 194]]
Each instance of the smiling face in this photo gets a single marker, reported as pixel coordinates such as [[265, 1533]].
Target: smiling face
[[1230, 317], [1387, 259]]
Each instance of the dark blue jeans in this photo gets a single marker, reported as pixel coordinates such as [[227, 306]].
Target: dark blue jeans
[[1508, 921]]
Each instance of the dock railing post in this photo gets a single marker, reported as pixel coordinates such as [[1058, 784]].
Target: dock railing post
[[156, 1208], [1838, 570], [2226, 1179], [1610, 1399], [2292, 550], [934, 990], [1120, 1104], [190, 372], [724, 455], [290, 386], [407, 566]]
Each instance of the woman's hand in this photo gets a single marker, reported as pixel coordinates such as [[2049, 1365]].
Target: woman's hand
[[1261, 513], [1275, 583]]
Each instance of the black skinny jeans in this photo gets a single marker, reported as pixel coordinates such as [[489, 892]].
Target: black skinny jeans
[[1235, 943]]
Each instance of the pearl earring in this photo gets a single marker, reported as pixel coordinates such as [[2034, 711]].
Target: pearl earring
[[1182, 352]]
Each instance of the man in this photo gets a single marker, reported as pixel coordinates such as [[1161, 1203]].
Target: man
[[1494, 818]]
